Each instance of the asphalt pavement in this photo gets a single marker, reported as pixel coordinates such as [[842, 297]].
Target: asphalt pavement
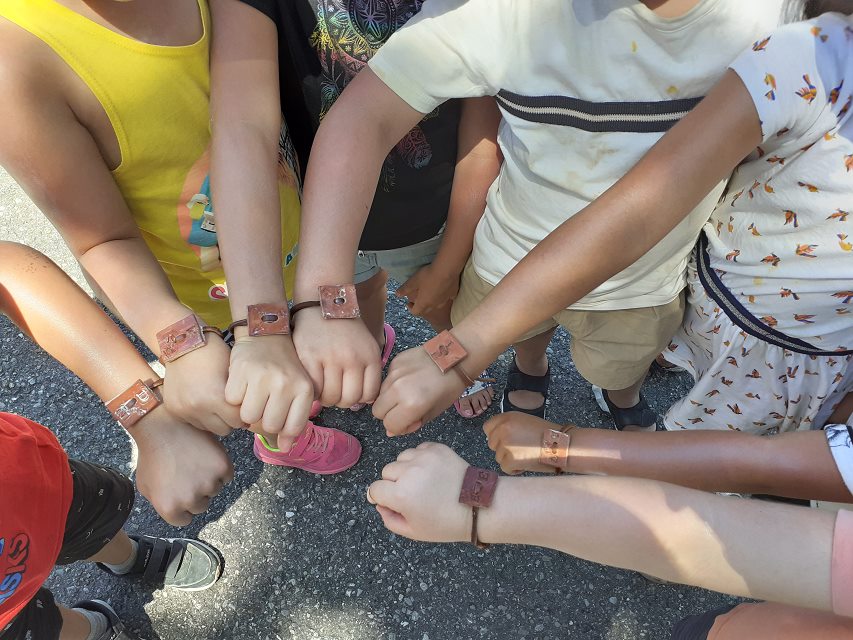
[[306, 557]]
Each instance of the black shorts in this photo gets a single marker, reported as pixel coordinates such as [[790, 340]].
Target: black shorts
[[100, 505], [697, 627]]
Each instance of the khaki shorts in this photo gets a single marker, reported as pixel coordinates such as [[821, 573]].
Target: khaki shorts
[[611, 349]]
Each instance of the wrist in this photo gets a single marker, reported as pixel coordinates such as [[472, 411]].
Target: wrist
[[153, 427], [140, 400], [447, 268], [490, 527], [166, 316], [480, 353]]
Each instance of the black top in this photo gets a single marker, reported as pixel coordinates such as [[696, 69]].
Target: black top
[[323, 44]]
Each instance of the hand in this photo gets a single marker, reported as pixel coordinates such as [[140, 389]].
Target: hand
[[516, 439], [430, 292], [267, 382], [194, 389], [180, 468], [418, 496], [414, 392], [340, 356]]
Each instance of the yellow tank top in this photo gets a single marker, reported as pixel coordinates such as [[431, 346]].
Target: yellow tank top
[[157, 99]]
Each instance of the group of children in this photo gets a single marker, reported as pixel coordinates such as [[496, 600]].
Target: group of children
[[669, 180]]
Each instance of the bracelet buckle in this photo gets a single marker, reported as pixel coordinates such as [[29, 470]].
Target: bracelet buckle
[[135, 402], [445, 351], [180, 338], [339, 302], [555, 449], [268, 320]]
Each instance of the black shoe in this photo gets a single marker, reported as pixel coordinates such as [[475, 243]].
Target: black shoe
[[115, 630], [517, 380], [640, 414], [177, 563]]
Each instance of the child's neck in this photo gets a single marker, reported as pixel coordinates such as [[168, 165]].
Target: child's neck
[[168, 23], [670, 8]]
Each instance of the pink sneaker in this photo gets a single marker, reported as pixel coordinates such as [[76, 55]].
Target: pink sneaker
[[321, 450], [390, 338]]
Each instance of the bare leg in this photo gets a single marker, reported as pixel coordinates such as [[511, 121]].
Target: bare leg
[[117, 551], [75, 626], [627, 398], [372, 296], [531, 359]]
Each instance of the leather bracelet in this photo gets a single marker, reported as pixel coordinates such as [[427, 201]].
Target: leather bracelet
[[447, 354], [135, 402], [337, 302], [183, 337], [478, 490], [555, 450], [265, 320]]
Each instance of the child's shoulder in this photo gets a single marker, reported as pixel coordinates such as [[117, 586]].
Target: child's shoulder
[[829, 29], [26, 63]]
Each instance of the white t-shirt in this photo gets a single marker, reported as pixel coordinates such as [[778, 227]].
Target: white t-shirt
[[782, 239], [585, 88]]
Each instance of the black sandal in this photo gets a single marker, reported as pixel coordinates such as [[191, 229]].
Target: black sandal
[[177, 563], [517, 380], [639, 414], [115, 629]]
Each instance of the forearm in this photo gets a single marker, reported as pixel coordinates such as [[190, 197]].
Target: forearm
[[135, 284], [795, 465], [362, 127], [620, 226], [248, 212], [45, 304], [246, 126], [677, 534], [477, 167]]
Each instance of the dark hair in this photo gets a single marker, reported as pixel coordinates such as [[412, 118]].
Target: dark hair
[[814, 8]]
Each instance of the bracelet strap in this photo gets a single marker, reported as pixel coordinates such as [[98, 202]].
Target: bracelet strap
[[135, 402], [236, 323], [478, 490], [299, 306]]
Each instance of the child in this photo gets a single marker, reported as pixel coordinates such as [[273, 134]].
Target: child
[[110, 104], [430, 194], [179, 469], [57, 511], [768, 334], [763, 360], [574, 122]]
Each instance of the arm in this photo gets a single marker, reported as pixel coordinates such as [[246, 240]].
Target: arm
[[265, 378], [433, 288], [796, 465], [57, 161], [44, 303], [607, 236], [677, 534], [364, 123]]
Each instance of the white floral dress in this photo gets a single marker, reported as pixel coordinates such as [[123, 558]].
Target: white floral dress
[[768, 334]]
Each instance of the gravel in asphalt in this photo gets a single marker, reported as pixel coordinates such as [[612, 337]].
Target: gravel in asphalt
[[306, 557]]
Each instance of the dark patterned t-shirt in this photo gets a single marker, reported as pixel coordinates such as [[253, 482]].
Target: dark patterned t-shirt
[[323, 44]]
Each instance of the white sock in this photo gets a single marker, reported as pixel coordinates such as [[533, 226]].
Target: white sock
[[127, 565], [97, 621]]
